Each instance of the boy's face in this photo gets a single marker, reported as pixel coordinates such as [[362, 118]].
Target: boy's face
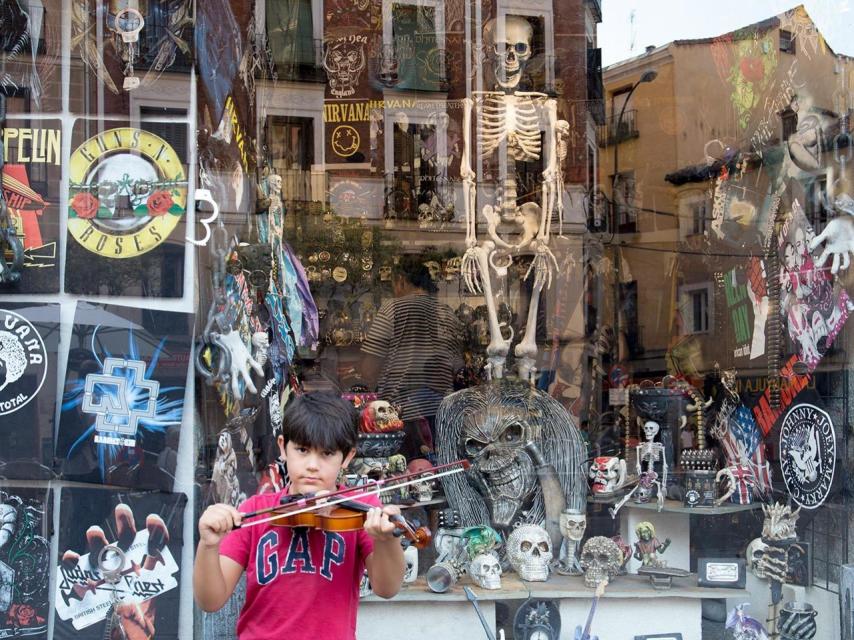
[[311, 470]]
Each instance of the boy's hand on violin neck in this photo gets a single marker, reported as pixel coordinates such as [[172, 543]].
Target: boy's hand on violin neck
[[379, 526], [216, 522]]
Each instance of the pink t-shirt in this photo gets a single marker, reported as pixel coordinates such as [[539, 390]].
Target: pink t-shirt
[[300, 583]]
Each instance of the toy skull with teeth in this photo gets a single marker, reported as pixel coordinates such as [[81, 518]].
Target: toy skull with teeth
[[511, 50], [485, 570], [601, 559], [410, 557], [380, 417], [529, 549]]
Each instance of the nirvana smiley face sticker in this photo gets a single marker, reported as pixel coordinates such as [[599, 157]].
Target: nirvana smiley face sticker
[[23, 362], [128, 192]]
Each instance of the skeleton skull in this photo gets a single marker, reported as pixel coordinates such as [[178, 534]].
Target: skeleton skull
[[385, 273], [511, 52], [423, 491], [530, 551], [384, 415], [650, 430], [485, 570], [573, 524], [608, 474], [753, 555], [601, 559], [410, 557], [434, 268]]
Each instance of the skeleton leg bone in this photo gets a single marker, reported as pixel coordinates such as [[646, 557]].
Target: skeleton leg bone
[[498, 347], [526, 350]]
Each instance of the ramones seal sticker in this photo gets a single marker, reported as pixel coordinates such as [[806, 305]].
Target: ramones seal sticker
[[127, 194], [807, 454], [23, 362]]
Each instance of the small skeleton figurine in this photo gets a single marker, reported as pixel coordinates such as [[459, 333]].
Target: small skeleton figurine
[[511, 121], [648, 455], [648, 546], [573, 523]]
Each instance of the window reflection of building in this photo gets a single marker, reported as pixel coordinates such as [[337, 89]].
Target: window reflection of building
[[294, 35], [290, 149], [414, 33]]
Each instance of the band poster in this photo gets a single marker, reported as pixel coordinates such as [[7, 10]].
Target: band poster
[[25, 532], [29, 340], [135, 585], [31, 188], [127, 205], [123, 400]]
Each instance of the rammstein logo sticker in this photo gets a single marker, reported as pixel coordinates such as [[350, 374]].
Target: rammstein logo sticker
[[807, 454], [23, 362], [127, 193]]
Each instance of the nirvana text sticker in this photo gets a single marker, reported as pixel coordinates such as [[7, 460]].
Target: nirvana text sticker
[[807, 454], [23, 362]]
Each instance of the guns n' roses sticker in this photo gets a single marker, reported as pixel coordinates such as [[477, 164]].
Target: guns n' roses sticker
[[25, 517], [31, 185], [124, 396], [29, 337], [126, 212], [119, 553], [808, 454]]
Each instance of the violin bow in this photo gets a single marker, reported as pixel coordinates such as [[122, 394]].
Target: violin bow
[[380, 488]]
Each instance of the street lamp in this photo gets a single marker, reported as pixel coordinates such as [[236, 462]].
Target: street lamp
[[646, 76]]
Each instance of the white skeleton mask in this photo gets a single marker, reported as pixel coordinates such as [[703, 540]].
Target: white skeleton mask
[[601, 559], [485, 570], [513, 52], [573, 524], [410, 557], [530, 551]]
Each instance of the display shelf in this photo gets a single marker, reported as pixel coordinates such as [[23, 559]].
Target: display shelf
[[428, 503], [675, 506], [561, 587]]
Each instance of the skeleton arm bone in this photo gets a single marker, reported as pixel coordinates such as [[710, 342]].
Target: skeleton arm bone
[[549, 175], [468, 176]]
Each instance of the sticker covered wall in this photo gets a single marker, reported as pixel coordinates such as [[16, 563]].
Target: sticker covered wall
[[123, 400], [24, 561], [29, 338], [118, 564], [127, 205]]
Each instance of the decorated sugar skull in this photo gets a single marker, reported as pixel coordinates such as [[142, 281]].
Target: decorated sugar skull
[[344, 63], [608, 473], [410, 558], [601, 559], [485, 570], [380, 416], [573, 524], [511, 50], [529, 549]]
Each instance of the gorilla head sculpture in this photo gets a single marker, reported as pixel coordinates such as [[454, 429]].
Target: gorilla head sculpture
[[489, 426]]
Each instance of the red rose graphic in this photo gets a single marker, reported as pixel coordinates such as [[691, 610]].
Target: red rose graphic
[[85, 205], [752, 69], [159, 203], [23, 615]]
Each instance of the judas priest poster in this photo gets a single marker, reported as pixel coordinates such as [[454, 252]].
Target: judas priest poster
[[29, 339], [123, 401], [133, 585], [127, 205]]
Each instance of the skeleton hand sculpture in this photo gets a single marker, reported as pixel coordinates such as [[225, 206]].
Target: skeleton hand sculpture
[[513, 120], [838, 237], [239, 362]]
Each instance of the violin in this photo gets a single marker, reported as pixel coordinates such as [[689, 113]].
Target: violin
[[350, 515]]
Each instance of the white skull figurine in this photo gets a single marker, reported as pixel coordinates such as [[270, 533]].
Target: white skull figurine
[[650, 430], [423, 491], [752, 556], [573, 524], [530, 551], [384, 414], [512, 52], [410, 557], [485, 570], [601, 559]]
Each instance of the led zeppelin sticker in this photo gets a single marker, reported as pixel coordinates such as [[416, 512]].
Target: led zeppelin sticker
[[29, 338], [126, 212], [31, 187], [124, 396], [137, 577], [808, 454], [24, 561]]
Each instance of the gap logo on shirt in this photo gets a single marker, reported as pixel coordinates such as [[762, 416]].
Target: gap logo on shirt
[[270, 562]]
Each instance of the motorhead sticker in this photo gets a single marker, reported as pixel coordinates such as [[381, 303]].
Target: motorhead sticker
[[127, 201], [128, 192], [136, 576], [807, 454], [29, 337], [124, 396]]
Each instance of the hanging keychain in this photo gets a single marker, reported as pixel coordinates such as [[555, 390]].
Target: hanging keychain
[[128, 23], [111, 570]]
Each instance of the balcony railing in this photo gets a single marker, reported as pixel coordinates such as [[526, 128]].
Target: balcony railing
[[300, 59], [610, 133], [595, 88]]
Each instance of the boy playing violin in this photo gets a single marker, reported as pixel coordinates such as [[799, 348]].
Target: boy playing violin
[[300, 582]]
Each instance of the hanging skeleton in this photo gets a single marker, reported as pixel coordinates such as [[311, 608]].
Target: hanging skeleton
[[511, 120]]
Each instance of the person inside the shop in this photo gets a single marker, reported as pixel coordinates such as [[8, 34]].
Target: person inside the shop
[[411, 352], [300, 582]]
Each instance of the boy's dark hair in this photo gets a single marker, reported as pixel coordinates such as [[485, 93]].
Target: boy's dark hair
[[321, 420], [412, 268]]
